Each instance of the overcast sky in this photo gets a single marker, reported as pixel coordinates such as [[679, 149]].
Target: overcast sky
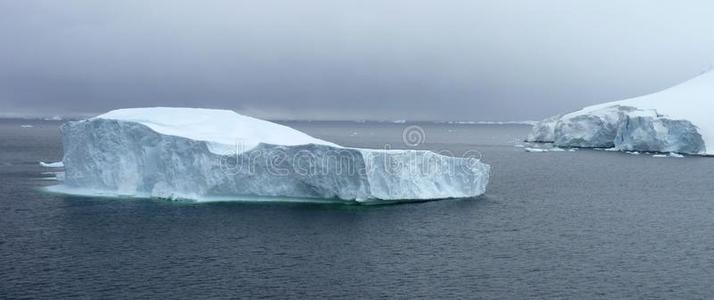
[[361, 59]]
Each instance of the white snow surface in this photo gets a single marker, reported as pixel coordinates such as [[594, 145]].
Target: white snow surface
[[225, 131], [653, 122], [186, 153], [692, 100], [57, 164]]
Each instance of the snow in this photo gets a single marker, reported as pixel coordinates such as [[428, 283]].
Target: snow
[[183, 153], [58, 164], [677, 119], [542, 150], [225, 131]]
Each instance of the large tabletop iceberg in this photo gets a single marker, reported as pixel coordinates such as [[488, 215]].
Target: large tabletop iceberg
[[678, 119], [189, 153]]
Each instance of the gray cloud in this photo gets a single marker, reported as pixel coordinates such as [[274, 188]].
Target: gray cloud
[[368, 59]]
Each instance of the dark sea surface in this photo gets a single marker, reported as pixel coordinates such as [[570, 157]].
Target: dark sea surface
[[584, 224]]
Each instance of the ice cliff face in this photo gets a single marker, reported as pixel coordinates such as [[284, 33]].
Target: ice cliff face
[[544, 131], [593, 130], [126, 156], [674, 120], [641, 132]]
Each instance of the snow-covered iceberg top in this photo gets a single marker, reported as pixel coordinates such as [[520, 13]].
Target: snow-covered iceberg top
[[222, 130], [678, 119], [216, 154]]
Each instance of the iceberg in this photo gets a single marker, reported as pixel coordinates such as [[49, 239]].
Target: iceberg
[[543, 131], [57, 164], [199, 154], [675, 120]]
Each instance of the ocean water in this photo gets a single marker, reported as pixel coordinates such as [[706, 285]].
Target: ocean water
[[584, 224]]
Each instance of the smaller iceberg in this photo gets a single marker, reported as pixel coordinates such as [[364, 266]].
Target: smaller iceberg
[[58, 164]]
